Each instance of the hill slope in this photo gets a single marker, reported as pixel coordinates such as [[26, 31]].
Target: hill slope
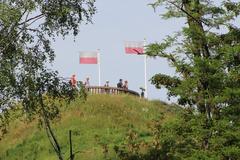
[[102, 121]]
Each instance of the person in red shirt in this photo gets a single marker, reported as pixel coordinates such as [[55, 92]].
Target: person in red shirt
[[74, 81]]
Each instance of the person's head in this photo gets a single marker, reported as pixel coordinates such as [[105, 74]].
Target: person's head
[[87, 78], [125, 81], [74, 75], [107, 82], [120, 80]]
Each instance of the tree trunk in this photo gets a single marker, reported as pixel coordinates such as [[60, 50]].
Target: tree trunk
[[50, 134], [194, 20], [200, 49]]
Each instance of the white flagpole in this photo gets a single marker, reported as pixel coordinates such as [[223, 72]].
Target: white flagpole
[[145, 75], [99, 69], [145, 71]]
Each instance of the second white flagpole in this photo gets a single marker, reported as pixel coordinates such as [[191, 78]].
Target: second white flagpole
[[145, 75], [145, 70], [99, 68]]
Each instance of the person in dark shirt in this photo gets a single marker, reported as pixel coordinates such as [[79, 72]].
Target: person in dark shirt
[[142, 92], [106, 84], [120, 84]]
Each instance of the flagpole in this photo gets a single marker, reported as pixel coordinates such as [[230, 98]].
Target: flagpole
[[145, 75], [145, 71], [99, 69]]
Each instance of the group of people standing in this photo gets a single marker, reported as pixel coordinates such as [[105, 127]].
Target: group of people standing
[[120, 84], [124, 85], [73, 81]]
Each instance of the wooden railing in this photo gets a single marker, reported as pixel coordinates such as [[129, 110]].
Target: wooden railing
[[109, 90]]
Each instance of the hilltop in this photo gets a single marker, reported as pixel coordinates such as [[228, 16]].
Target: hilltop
[[99, 123]]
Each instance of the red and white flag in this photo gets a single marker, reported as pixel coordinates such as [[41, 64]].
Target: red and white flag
[[88, 57], [134, 47]]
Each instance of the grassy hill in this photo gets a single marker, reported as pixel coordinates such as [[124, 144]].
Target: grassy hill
[[103, 120]]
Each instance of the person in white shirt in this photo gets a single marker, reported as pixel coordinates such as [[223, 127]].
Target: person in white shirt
[[87, 82]]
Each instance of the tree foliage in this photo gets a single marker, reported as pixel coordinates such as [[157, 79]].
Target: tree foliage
[[184, 137], [205, 54], [26, 30], [206, 57]]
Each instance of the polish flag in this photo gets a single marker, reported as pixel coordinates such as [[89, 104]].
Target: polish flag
[[134, 47], [88, 57]]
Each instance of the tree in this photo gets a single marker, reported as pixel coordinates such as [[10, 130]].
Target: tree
[[206, 58], [26, 29], [205, 54]]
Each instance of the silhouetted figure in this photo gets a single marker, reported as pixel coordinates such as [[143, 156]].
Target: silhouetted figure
[[120, 84], [142, 92], [106, 85]]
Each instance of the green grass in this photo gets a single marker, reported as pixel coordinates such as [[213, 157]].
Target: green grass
[[102, 119]]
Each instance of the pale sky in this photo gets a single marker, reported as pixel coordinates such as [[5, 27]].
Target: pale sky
[[115, 22]]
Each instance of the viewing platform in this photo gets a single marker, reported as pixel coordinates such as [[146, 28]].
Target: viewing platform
[[110, 90]]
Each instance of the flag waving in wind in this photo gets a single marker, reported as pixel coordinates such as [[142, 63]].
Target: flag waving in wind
[[88, 57], [91, 57], [134, 47]]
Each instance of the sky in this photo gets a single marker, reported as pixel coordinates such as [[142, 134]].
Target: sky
[[115, 22]]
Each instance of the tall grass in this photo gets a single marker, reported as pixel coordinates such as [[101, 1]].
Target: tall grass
[[98, 124]]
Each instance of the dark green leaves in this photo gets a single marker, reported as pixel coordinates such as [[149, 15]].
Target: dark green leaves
[[26, 27], [206, 58]]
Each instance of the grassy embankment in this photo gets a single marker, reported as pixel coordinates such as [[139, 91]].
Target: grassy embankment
[[102, 120]]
